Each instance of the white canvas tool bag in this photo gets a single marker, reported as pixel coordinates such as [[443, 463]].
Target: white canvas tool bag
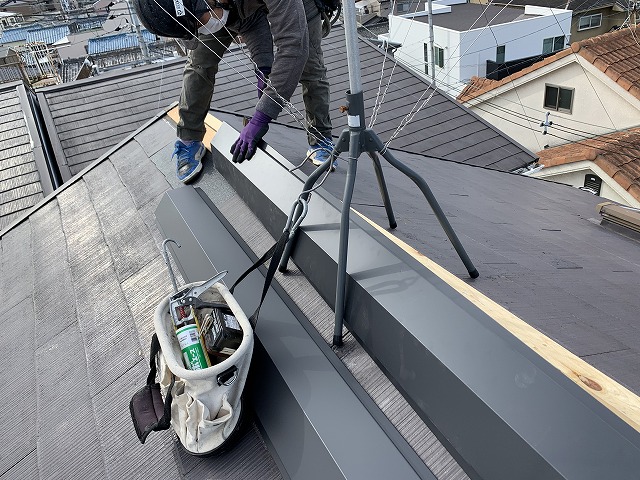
[[207, 404]]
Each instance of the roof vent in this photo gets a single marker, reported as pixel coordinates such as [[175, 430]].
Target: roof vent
[[627, 217]]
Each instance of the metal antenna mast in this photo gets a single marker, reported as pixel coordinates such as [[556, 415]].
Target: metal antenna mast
[[357, 139]]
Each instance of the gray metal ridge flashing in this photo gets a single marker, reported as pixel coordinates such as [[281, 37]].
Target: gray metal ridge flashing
[[77, 177], [319, 422], [503, 410]]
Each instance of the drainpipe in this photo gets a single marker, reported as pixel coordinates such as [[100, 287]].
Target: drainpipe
[[433, 60]]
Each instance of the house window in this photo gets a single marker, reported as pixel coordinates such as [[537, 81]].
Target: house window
[[590, 21], [553, 44], [558, 98], [426, 59], [438, 56], [500, 54], [592, 183], [402, 7]]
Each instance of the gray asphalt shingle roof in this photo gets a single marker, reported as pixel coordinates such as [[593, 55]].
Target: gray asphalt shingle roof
[[20, 155], [85, 118], [84, 273]]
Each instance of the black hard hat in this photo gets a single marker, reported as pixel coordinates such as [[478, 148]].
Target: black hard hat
[[171, 18]]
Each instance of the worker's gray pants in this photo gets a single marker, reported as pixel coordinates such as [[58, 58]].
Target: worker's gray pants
[[315, 86], [202, 66]]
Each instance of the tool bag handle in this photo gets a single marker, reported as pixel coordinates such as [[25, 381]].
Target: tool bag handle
[[147, 404]]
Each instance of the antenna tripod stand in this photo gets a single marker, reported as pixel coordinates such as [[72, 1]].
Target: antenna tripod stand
[[356, 140]]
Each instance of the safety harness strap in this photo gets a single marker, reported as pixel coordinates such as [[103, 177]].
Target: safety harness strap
[[275, 254]]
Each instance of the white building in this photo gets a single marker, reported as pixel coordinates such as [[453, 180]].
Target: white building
[[467, 35]]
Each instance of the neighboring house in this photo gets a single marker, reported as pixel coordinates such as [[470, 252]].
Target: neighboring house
[[608, 166], [589, 90], [467, 36], [590, 18], [48, 35]]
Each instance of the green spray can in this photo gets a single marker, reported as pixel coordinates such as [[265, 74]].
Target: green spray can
[[194, 355]]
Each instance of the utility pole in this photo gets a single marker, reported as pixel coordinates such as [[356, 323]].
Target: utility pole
[[432, 67], [136, 24]]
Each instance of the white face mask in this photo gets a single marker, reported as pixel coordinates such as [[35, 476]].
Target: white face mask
[[214, 24]]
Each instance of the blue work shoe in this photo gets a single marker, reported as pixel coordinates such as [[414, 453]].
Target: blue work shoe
[[320, 153], [188, 160]]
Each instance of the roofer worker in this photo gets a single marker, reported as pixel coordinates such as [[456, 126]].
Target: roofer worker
[[207, 29]]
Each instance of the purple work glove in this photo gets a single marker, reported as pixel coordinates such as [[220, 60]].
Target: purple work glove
[[245, 146], [262, 75]]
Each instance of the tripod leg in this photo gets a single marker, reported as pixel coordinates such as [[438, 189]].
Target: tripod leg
[[426, 191], [341, 282], [383, 189]]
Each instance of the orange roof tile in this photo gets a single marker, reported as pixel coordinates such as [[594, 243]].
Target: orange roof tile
[[616, 54], [618, 154]]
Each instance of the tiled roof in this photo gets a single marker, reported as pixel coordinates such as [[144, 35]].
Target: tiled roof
[[617, 54], [618, 154], [48, 35], [120, 41]]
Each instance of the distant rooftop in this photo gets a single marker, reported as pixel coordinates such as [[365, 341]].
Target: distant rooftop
[[35, 33], [120, 41], [474, 16], [18, 34], [48, 35]]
